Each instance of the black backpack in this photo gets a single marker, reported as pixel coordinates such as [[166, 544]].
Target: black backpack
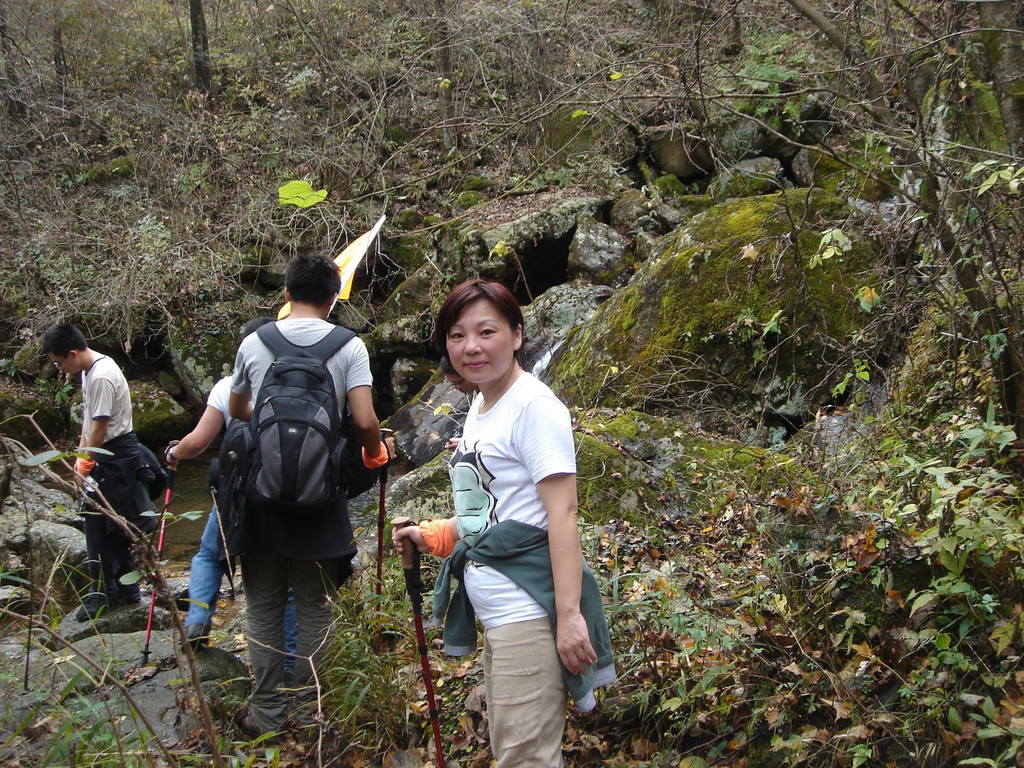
[[301, 447]]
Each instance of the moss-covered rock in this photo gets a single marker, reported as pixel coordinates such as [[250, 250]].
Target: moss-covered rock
[[597, 252], [408, 218], [409, 251], [627, 208], [680, 151], [757, 176], [728, 312], [202, 347], [112, 170], [407, 314], [16, 405], [551, 316], [477, 183], [570, 131], [691, 205], [632, 466], [156, 416], [690, 468], [469, 199], [670, 186], [861, 172], [409, 375]]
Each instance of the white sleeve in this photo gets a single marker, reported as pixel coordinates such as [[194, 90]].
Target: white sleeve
[[543, 437]]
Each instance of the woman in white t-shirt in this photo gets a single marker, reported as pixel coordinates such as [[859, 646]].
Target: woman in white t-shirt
[[514, 466]]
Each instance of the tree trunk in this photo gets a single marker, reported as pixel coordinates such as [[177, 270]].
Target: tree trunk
[[1004, 25], [60, 62], [990, 320], [444, 83], [200, 46], [15, 107]]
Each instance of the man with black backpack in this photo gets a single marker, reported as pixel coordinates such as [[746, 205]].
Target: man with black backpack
[[291, 383]]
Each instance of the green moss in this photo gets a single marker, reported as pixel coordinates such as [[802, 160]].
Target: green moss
[[477, 183], [575, 132], [408, 218], [670, 186], [874, 176], [156, 417], [691, 205], [744, 304], [469, 199], [826, 171], [423, 494], [611, 485], [408, 251], [14, 407]]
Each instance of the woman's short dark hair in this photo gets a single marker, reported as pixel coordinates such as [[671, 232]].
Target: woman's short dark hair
[[312, 278], [465, 294], [254, 324], [62, 338]]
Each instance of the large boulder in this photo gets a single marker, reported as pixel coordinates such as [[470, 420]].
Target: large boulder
[[17, 404], [597, 252], [729, 320], [552, 317], [629, 466], [570, 131], [756, 176], [56, 557], [692, 469], [862, 172], [424, 424], [406, 315], [680, 152], [532, 249], [530, 254]]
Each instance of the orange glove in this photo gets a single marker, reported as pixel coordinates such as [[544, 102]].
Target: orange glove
[[437, 535], [84, 466], [382, 458]]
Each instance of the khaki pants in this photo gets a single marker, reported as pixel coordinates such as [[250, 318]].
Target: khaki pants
[[526, 697], [265, 578]]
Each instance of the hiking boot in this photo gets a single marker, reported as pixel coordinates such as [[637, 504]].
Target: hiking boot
[[197, 635], [93, 605], [129, 593], [246, 722]]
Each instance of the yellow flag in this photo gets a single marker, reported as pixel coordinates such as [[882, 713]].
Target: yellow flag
[[348, 260]]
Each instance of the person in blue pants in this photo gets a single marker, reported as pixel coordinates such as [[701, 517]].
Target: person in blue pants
[[207, 573]]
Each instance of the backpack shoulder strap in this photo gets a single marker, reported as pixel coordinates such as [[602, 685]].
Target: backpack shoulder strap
[[335, 339], [275, 341]]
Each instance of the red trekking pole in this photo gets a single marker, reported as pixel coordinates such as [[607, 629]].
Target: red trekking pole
[[414, 586], [159, 556]]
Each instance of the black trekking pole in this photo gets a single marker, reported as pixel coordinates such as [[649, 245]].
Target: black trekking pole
[[380, 530], [380, 522], [159, 556], [414, 586]]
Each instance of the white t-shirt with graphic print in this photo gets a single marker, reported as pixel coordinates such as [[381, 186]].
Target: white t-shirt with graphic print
[[523, 438]]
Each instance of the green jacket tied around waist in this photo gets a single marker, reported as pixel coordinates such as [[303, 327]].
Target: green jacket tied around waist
[[521, 553]]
